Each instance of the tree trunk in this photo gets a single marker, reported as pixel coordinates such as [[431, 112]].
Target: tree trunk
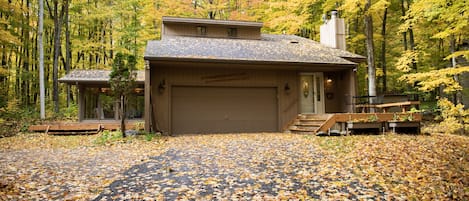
[[41, 59], [457, 96], [370, 53], [404, 34], [68, 51], [412, 47], [383, 49], [57, 47], [412, 44], [122, 114]]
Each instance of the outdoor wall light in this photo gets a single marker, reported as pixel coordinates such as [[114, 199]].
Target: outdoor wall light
[[105, 90], [329, 79], [138, 90], [162, 86]]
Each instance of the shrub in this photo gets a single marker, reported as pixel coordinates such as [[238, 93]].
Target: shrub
[[107, 137], [453, 116]]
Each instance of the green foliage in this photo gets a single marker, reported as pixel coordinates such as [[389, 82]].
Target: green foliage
[[403, 117], [13, 118], [108, 137], [69, 113], [122, 80], [114, 137], [373, 118], [123, 75], [149, 136]]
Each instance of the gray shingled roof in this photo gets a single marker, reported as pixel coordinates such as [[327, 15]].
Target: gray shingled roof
[[94, 77], [271, 48]]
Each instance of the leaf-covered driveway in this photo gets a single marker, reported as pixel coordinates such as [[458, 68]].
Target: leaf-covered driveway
[[239, 167], [236, 167]]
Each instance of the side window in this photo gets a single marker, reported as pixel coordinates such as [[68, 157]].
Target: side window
[[232, 32], [201, 30]]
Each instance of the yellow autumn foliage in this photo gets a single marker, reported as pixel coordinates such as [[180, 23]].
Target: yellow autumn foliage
[[405, 61], [431, 80], [454, 116]]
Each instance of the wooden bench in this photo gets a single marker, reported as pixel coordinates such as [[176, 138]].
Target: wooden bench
[[403, 105]]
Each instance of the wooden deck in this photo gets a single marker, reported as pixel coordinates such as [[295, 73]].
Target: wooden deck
[[82, 128], [343, 118]]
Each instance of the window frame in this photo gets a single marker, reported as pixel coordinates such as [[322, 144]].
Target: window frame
[[201, 30], [232, 32]]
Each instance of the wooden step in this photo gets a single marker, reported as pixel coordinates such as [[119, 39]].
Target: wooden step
[[309, 124], [303, 129], [303, 132], [74, 132], [312, 119], [314, 116]]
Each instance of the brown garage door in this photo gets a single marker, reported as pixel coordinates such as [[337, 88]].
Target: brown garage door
[[223, 109]]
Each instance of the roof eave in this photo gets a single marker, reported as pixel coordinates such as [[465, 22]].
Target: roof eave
[[356, 59], [168, 19], [90, 82], [211, 60]]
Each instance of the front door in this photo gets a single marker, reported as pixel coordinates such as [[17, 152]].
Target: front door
[[312, 93]]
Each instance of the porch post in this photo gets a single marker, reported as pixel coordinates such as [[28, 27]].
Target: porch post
[[98, 106], [148, 108], [353, 88], [81, 102]]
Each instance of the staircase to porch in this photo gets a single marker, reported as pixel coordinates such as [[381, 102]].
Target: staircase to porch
[[308, 123]]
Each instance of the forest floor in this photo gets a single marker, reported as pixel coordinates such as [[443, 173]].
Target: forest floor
[[235, 167]]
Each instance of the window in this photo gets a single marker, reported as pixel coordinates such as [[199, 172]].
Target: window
[[232, 32], [201, 31]]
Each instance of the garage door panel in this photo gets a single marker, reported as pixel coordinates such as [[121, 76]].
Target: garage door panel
[[223, 109]]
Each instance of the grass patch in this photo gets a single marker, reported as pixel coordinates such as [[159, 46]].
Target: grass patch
[[149, 136], [111, 137], [107, 137], [45, 141]]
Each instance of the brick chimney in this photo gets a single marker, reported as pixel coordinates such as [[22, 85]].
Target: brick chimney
[[333, 32]]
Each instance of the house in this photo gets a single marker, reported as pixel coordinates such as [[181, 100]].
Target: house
[[218, 76]]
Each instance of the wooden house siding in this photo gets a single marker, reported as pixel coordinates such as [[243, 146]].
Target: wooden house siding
[[287, 103], [286, 82], [212, 31]]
